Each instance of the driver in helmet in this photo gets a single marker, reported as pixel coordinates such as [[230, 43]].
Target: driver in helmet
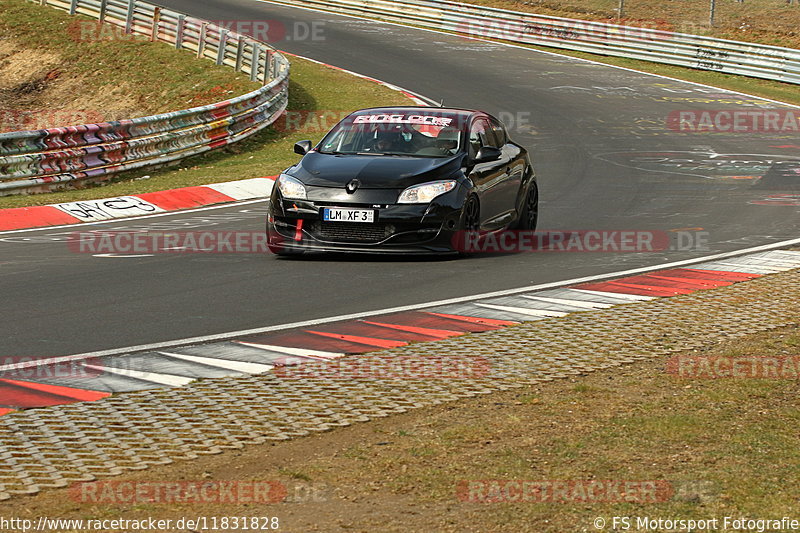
[[386, 141], [447, 141]]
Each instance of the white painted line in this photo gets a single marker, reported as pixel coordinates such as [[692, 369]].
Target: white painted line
[[774, 255], [750, 268], [302, 352], [152, 377], [621, 296], [790, 253], [539, 313], [711, 259], [125, 256], [529, 49], [143, 217], [583, 304], [245, 189], [771, 261], [227, 364], [416, 97], [738, 268]]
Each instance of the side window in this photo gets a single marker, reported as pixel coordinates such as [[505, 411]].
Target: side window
[[480, 134], [499, 132]]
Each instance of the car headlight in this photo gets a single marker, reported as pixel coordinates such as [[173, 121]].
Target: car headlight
[[426, 192], [291, 188]]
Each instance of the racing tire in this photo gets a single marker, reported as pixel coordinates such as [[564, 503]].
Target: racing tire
[[529, 216]]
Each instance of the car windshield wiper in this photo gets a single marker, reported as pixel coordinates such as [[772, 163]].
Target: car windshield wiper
[[398, 154]]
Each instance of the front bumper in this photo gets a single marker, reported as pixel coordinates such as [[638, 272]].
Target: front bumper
[[295, 226]]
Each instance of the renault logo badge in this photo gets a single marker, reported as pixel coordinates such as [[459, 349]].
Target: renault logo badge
[[352, 185]]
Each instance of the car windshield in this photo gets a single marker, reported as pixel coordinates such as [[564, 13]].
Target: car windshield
[[397, 134]]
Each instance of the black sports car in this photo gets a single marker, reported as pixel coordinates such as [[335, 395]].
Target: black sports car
[[403, 180]]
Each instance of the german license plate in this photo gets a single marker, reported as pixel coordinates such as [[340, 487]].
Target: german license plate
[[347, 214]]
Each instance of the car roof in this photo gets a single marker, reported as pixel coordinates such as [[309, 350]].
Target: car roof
[[421, 109]]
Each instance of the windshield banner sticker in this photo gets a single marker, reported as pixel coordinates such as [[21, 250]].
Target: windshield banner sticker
[[428, 120]]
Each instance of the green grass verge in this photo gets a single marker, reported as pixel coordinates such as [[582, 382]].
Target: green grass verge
[[318, 88], [764, 21], [774, 90], [772, 22], [156, 76], [313, 88], [724, 447], [318, 96]]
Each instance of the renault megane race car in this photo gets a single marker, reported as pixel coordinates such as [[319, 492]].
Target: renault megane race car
[[402, 180]]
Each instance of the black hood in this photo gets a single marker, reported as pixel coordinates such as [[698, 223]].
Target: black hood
[[373, 171]]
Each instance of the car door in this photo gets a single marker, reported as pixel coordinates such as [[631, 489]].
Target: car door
[[488, 177], [509, 191]]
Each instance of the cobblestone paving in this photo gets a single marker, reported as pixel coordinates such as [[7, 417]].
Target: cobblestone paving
[[57, 446]]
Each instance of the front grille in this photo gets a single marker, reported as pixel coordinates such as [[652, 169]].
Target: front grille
[[352, 231]]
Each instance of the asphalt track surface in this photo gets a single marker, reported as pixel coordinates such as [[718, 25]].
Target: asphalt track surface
[[604, 157]]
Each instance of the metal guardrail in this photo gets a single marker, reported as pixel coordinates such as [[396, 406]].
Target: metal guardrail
[[35, 161], [693, 51]]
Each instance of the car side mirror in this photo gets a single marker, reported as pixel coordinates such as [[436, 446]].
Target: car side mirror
[[302, 147], [487, 153]]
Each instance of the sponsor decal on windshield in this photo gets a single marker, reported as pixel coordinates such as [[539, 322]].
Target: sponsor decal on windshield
[[428, 120]]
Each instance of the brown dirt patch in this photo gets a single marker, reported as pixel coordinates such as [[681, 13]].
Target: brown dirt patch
[[20, 67], [36, 93]]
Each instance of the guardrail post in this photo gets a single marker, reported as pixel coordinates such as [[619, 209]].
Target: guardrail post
[[201, 43], [239, 53], [272, 71], [268, 66], [73, 7], [103, 7], [129, 16], [179, 31], [156, 24], [254, 61], [223, 42], [276, 66]]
